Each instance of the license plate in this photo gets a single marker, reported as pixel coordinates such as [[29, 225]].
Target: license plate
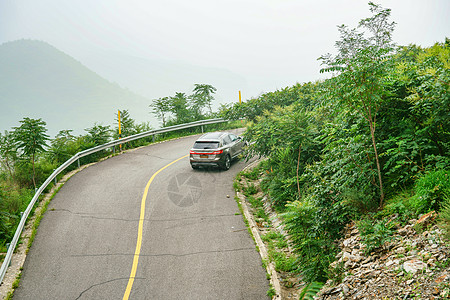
[[203, 156]]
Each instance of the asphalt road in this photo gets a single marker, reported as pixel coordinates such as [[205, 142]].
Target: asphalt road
[[194, 244]]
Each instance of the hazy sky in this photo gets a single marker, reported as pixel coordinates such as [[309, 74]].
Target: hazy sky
[[271, 43]]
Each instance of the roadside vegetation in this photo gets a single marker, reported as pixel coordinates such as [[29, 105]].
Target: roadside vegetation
[[369, 145], [28, 155]]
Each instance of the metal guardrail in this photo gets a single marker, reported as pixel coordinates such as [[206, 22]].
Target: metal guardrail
[[76, 157]]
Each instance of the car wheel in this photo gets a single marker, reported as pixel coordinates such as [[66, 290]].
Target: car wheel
[[227, 163], [194, 167]]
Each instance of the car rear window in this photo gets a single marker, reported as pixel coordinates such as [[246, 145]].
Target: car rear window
[[206, 145]]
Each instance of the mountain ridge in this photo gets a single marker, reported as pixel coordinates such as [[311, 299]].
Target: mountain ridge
[[40, 81]]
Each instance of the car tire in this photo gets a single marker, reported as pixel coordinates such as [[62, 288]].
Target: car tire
[[194, 167], [227, 163]]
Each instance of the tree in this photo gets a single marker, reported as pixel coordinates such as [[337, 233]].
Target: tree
[[62, 145], [31, 138], [127, 124], [178, 106], [99, 134], [161, 108], [362, 64], [8, 152], [203, 96]]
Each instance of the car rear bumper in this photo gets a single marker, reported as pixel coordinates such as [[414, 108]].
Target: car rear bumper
[[215, 162], [205, 164]]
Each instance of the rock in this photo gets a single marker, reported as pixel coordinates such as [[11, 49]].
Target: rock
[[405, 230], [441, 278], [414, 265], [392, 262], [348, 264], [348, 242], [380, 275], [345, 289], [367, 260], [333, 265], [426, 256], [346, 256], [400, 250], [435, 291], [427, 218], [331, 291]]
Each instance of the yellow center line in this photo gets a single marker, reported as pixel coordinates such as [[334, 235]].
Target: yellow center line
[[140, 230]]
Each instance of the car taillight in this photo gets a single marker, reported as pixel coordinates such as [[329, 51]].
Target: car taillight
[[209, 153], [217, 152]]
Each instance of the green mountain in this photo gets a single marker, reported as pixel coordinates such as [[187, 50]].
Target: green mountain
[[39, 81]]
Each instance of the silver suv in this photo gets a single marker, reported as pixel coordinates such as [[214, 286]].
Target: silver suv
[[216, 149]]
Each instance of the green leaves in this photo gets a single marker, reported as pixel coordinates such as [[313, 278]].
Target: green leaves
[[161, 109], [431, 190], [31, 136], [202, 97], [364, 62], [375, 233], [8, 152], [183, 108], [310, 290]]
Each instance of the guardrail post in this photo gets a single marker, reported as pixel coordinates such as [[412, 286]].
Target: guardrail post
[[153, 138], [202, 128], [7, 248], [114, 149], [78, 160]]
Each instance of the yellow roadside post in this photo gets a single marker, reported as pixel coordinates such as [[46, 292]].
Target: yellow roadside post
[[240, 102], [120, 130]]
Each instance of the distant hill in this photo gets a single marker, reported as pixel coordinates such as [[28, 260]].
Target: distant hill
[[155, 78], [39, 81]]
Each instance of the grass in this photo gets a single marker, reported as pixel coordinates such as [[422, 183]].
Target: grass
[[251, 189], [14, 286], [255, 203], [283, 262], [271, 292], [275, 239], [261, 214], [253, 174]]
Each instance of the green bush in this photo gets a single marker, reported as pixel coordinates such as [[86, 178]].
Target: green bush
[[313, 243], [12, 203], [444, 218], [400, 207], [374, 233], [430, 191]]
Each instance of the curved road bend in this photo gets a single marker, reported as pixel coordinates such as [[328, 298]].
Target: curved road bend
[[194, 245]]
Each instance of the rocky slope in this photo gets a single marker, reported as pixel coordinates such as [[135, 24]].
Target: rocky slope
[[413, 265]]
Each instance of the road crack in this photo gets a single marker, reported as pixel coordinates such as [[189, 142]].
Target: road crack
[[91, 216], [166, 254], [105, 282]]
